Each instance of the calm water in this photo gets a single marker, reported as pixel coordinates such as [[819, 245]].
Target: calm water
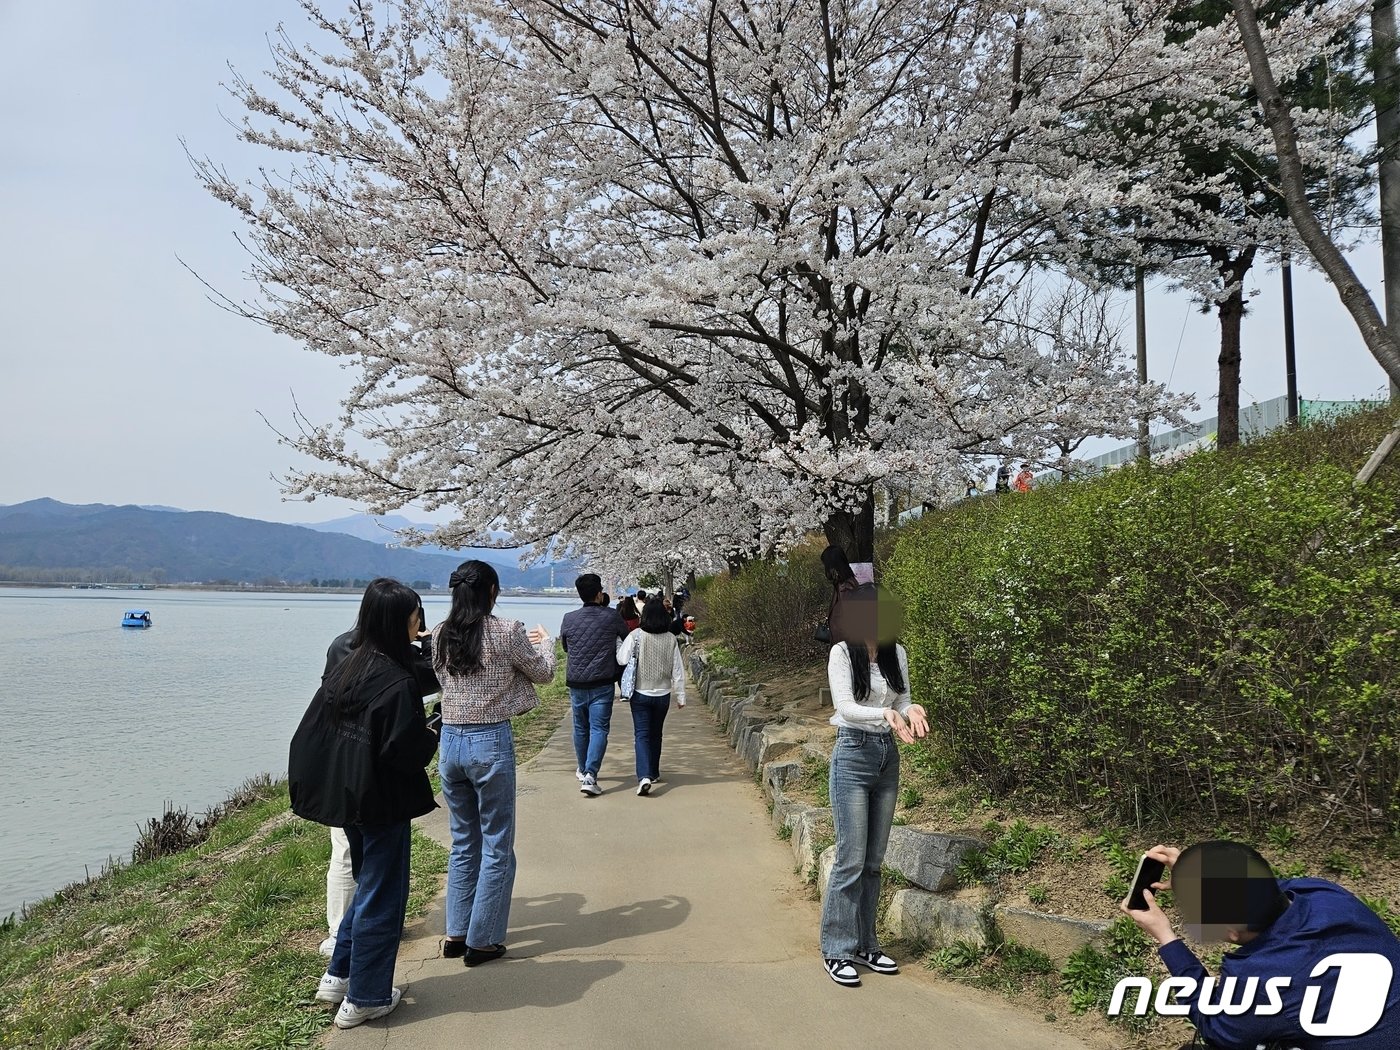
[[104, 725]]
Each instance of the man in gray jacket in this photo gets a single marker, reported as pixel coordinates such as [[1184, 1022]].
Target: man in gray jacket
[[590, 636]]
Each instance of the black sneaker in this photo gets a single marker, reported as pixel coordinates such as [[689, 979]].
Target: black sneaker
[[842, 972], [877, 961]]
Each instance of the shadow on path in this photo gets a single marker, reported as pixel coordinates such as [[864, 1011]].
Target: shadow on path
[[558, 922]]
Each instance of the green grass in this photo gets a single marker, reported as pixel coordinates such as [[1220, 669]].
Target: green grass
[[211, 947]]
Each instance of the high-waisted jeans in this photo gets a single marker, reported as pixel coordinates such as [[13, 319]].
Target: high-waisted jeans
[[864, 785], [477, 767]]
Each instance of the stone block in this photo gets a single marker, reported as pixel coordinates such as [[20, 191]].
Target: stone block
[[780, 739], [784, 809], [825, 863], [808, 827], [936, 919], [777, 774], [929, 860], [1058, 936]]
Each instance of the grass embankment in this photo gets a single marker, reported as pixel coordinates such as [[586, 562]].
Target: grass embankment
[[213, 946], [1206, 650]]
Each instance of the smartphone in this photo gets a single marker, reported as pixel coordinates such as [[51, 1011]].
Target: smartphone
[[1148, 872]]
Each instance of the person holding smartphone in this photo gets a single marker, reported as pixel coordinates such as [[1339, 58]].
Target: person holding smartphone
[[1300, 930], [488, 668], [868, 671]]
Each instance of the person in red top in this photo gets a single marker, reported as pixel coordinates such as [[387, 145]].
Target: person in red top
[[630, 616], [1024, 480]]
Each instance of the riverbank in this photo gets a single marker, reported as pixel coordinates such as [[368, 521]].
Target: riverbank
[[212, 946]]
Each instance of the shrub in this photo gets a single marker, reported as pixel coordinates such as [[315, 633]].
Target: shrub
[[1215, 639], [769, 610]]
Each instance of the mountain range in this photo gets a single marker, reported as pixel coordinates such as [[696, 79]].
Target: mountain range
[[166, 545]]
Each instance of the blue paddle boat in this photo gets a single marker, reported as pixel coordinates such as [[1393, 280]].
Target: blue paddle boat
[[136, 618]]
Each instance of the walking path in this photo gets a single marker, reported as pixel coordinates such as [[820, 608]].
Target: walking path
[[671, 921]]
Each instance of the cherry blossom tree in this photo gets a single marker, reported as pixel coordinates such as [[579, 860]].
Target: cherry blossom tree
[[687, 281]]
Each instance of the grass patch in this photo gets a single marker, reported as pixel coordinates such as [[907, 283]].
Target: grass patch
[[533, 729]]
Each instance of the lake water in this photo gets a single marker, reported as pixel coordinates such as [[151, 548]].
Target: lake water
[[102, 726]]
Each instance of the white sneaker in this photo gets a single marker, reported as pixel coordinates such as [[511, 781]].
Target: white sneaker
[[590, 785], [580, 775], [644, 787], [327, 947], [332, 989], [349, 1015]]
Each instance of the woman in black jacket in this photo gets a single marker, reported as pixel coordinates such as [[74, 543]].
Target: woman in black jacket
[[357, 762]]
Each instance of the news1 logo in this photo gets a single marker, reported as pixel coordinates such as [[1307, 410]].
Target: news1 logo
[[1362, 984]]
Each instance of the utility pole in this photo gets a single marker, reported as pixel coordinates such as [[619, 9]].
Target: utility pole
[[1290, 354], [1144, 441], [1387, 83]]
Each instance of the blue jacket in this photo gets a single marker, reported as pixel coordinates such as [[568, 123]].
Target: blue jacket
[[590, 636], [1323, 919]]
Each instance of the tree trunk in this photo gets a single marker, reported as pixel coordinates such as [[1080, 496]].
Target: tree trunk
[[1227, 427], [1231, 313], [1384, 92], [854, 531]]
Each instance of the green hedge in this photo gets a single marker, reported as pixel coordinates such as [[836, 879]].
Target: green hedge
[[1156, 644]]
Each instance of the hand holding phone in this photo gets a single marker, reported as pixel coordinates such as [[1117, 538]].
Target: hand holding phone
[[1149, 870]]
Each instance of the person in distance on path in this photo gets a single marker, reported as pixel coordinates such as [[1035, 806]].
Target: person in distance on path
[[660, 675], [868, 672], [486, 666], [590, 637], [357, 762], [1282, 928]]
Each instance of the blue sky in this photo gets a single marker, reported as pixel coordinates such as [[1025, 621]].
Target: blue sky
[[124, 384]]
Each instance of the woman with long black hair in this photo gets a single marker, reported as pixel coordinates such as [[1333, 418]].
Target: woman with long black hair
[[486, 666], [868, 672], [357, 762]]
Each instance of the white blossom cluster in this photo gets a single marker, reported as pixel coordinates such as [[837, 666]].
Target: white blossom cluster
[[680, 282]]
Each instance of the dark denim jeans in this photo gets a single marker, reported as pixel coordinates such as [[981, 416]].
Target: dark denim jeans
[[592, 708], [648, 716], [367, 943], [864, 784], [477, 767]]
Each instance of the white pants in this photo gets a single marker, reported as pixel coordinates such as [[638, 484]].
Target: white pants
[[340, 881]]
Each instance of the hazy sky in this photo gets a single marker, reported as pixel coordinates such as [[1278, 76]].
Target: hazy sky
[[122, 383]]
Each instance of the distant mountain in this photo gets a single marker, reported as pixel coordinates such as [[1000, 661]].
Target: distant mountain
[[201, 546], [383, 529]]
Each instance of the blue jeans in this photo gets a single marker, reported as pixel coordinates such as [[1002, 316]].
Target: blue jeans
[[648, 715], [367, 943], [477, 767], [592, 709], [864, 784]]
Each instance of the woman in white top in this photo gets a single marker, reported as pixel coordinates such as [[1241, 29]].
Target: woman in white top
[[869, 677], [660, 675]]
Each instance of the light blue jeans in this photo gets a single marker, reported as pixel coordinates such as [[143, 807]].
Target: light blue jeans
[[592, 708], [864, 785], [477, 767]]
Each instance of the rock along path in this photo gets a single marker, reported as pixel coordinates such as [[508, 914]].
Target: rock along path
[[670, 921]]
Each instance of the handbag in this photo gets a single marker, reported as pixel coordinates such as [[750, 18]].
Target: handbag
[[822, 634], [629, 673]]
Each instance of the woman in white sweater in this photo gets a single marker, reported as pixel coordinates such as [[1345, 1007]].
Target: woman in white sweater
[[660, 675], [869, 677]]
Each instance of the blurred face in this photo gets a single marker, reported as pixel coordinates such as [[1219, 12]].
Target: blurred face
[[871, 622], [415, 625]]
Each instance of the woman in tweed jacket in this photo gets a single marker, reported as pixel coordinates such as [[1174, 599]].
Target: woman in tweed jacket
[[487, 667]]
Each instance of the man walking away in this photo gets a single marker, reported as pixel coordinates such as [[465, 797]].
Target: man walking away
[[590, 636]]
